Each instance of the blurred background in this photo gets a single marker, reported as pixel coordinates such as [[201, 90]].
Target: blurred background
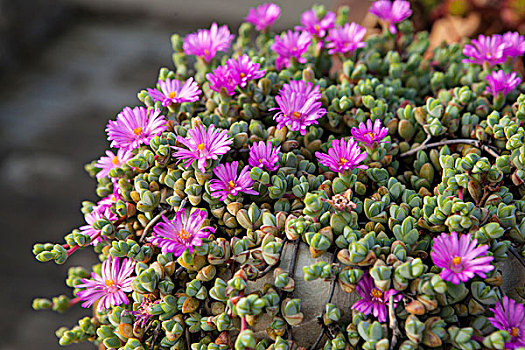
[[66, 68]]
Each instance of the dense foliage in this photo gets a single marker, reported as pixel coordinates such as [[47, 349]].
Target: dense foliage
[[401, 172]]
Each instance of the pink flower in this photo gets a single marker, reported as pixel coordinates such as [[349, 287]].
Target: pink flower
[[134, 127], [173, 91], [111, 161], [181, 233], [299, 106], [391, 12], [460, 259], [290, 44], [201, 145], [263, 16], [243, 70], [206, 43], [499, 81], [510, 316], [342, 155], [515, 42], [374, 300], [369, 134], [221, 78], [264, 155], [345, 39], [229, 182], [110, 287], [101, 212], [491, 49], [317, 26]]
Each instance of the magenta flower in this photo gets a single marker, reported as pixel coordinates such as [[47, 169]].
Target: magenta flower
[[181, 233], [206, 43], [499, 81], [134, 127], [229, 183], [290, 44], [110, 287], [345, 39], [202, 145], [374, 301], [264, 155], [243, 70], [515, 44], [342, 155], [510, 316], [370, 134], [315, 26], [299, 106], [460, 259], [111, 161], [263, 16], [101, 212], [391, 12], [220, 78], [173, 91], [490, 49], [108, 201]]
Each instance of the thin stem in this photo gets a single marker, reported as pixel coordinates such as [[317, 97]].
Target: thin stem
[[74, 301], [151, 223], [293, 261], [474, 143], [517, 256], [396, 333], [72, 250], [244, 324], [155, 335]]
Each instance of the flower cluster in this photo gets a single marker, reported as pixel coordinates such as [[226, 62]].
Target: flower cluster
[[236, 72], [494, 49], [252, 197]]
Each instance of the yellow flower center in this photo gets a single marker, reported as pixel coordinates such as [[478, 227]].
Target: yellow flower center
[[206, 52], [115, 161], [370, 134], [342, 160], [183, 234], [317, 27], [296, 115], [172, 94], [515, 331], [200, 147], [109, 283], [456, 260], [242, 75], [137, 131], [232, 184], [376, 293]]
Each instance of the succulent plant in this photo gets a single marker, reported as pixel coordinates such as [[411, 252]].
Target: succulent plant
[[399, 173]]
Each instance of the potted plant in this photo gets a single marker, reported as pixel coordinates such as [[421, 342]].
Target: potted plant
[[310, 189]]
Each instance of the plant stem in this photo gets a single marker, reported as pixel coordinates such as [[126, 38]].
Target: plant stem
[[475, 143], [74, 301], [393, 323], [72, 250], [293, 261], [244, 324], [151, 223]]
